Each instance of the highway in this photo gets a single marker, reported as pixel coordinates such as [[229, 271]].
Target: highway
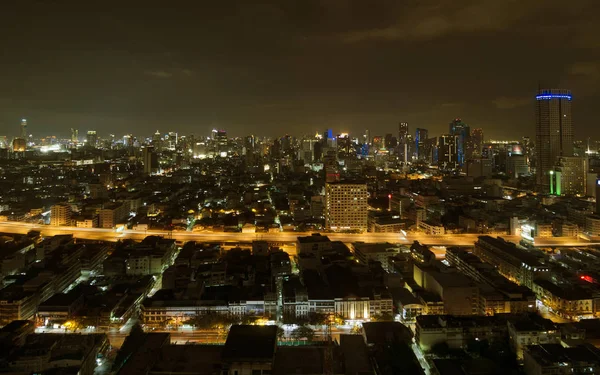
[[280, 237]]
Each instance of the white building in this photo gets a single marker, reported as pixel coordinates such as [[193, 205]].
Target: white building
[[60, 214]]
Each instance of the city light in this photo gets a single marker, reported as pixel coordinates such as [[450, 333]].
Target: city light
[[553, 96]]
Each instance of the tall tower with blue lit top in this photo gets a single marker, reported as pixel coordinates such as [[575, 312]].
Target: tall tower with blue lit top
[[553, 132]]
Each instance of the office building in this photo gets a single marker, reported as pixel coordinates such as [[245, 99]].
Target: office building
[[221, 141], [92, 138], [60, 214], [24, 129], [479, 167], [19, 145], [74, 135], [403, 141], [421, 136], [447, 153], [113, 214], [516, 165], [157, 141], [346, 206], [463, 139], [150, 160], [553, 132], [569, 176], [477, 141]]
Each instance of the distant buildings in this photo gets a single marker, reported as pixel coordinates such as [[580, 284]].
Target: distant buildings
[[463, 139]]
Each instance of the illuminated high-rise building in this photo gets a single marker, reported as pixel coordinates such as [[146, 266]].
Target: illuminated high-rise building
[[222, 143], [477, 141], [553, 132], [74, 135], [150, 160], [463, 139], [157, 141], [403, 137], [447, 151], [92, 138], [60, 214], [569, 176], [346, 206], [421, 136], [24, 129], [19, 145]]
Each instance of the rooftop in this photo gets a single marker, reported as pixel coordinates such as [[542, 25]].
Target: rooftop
[[570, 293], [247, 343], [315, 238]]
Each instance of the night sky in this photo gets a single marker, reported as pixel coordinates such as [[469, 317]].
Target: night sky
[[294, 66]]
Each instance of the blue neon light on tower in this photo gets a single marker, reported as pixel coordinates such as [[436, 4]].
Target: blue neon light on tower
[[554, 94], [463, 133]]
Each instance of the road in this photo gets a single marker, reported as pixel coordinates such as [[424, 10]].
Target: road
[[280, 237], [234, 237]]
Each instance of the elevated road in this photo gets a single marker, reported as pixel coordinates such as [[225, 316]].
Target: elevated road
[[103, 234]]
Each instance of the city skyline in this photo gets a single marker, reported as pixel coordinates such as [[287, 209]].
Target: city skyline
[[253, 68]]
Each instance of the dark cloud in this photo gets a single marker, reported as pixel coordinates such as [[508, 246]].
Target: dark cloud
[[301, 66]]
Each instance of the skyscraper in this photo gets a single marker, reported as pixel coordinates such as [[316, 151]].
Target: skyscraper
[[24, 128], [421, 136], [150, 160], [403, 140], [463, 138], [553, 132], [92, 138], [74, 135], [447, 151], [570, 176], [477, 141]]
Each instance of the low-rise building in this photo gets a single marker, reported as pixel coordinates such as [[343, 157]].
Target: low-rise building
[[554, 359], [432, 228], [378, 252], [16, 304], [532, 330], [457, 331], [569, 300]]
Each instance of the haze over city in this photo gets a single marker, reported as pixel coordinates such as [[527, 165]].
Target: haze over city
[[305, 66]]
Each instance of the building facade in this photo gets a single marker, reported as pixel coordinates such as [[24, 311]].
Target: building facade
[[346, 207], [553, 132]]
